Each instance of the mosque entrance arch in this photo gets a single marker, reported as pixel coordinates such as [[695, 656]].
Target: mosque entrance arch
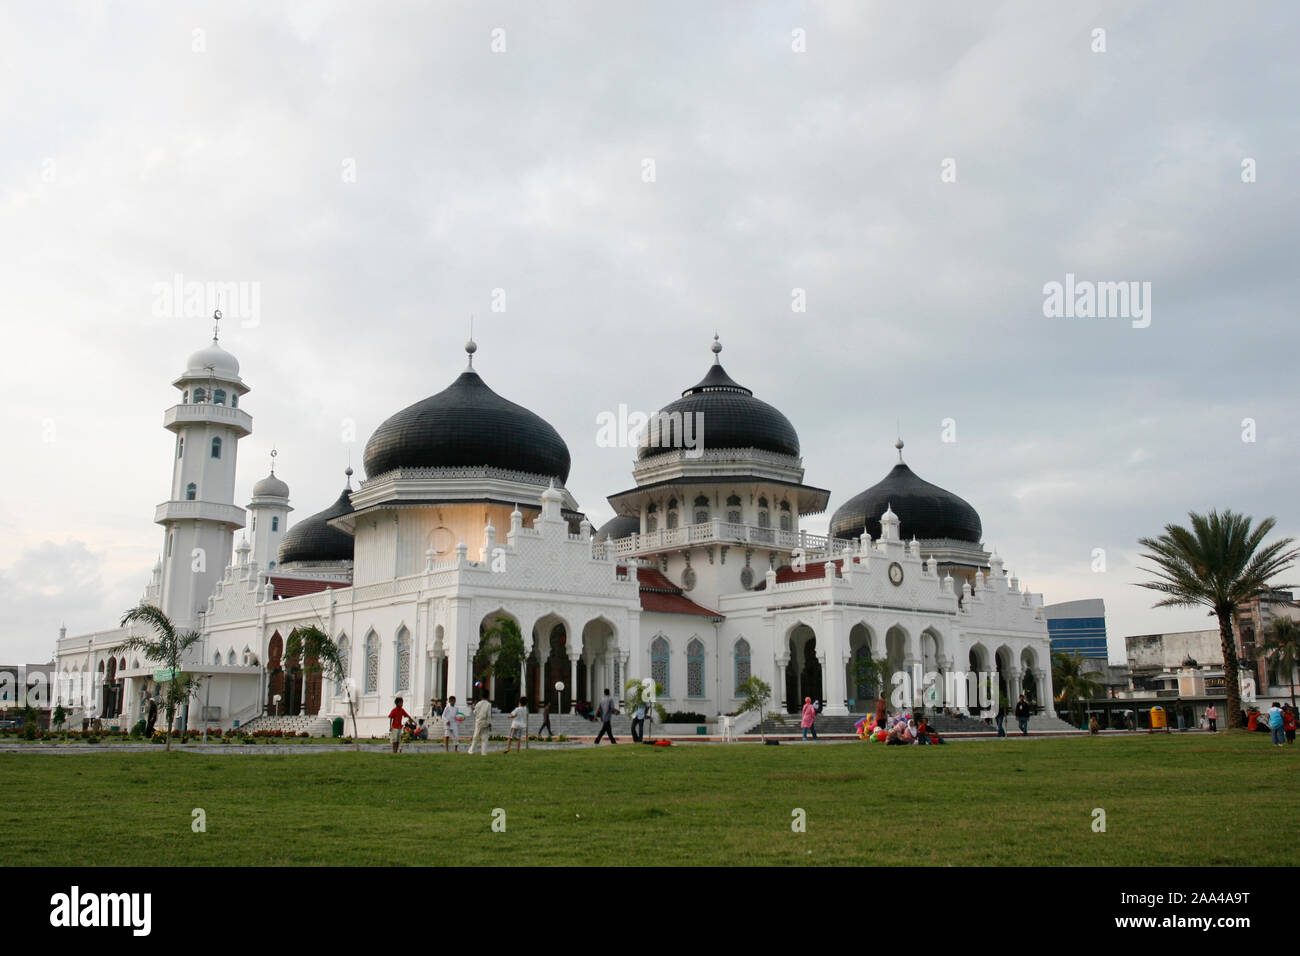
[[804, 675]]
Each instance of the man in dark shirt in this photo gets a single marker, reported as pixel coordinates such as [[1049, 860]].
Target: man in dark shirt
[[1022, 715], [605, 712]]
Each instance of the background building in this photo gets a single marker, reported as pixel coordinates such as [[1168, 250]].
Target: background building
[[1078, 626]]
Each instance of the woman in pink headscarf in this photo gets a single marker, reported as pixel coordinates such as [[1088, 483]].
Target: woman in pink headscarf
[[809, 720]]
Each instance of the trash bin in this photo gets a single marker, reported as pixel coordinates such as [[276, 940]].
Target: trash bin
[[1158, 720], [337, 726]]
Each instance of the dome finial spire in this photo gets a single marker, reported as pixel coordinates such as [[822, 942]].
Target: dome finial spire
[[471, 346], [348, 472], [899, 445], [216, 323], [717, 348], [273, 460]]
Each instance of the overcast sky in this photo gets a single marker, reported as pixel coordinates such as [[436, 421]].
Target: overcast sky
[[374, 172]]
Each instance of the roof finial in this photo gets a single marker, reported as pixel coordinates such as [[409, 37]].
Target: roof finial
[[216, 323], [272, 460], [471, 347], [717, 347], [899, 445], [348, 471]]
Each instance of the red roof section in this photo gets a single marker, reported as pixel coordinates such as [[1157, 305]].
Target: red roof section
[[296, 587], [813, 571], [660, 594]]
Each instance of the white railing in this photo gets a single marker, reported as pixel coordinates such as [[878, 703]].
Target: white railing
[[726, 532]]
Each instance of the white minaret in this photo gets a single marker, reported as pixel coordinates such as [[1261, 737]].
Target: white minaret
[[201, 516], [270, 517]]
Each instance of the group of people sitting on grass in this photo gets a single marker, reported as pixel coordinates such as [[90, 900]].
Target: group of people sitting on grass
[[898, 729]]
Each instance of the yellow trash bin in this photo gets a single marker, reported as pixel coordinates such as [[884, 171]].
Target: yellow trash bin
[[1158, 720]]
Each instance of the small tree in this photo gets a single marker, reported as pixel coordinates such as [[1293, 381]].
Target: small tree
[[875, 674], [60, 716], [1281, 650], [1073, 684], [635, 695], [756, 694], [319, 654], [510, 651], [167, 649]]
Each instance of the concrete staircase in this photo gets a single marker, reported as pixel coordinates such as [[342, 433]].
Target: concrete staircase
[[315, 725]]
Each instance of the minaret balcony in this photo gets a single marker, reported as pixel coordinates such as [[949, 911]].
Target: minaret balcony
[[178, 417], [231, 516]]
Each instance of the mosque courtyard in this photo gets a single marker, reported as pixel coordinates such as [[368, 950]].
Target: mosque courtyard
[[1165, 800]]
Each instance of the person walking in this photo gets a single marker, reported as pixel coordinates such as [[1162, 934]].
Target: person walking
[[605, 713], [451, 729], [395, 723], [1212, 716], [482, 724], [1289, 722], [546, 720], [518, 725], [1022, 715], [638, 723], [808, 718], [1001, 717], [1277, 724]]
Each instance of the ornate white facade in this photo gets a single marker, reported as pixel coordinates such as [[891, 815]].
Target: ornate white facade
[[706, 579]]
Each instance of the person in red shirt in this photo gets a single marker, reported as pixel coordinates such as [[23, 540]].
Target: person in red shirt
[[395, 724]]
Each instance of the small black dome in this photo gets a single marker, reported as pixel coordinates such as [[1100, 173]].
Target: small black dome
[[925, 511], [620, 526], [467, 425], [732, 418], [313, 539]]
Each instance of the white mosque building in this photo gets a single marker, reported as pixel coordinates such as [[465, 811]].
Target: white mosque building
[[704, 577]]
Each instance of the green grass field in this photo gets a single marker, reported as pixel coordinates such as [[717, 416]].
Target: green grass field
[[1169, 800]]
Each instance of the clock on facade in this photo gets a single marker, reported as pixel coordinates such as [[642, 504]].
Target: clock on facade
[[895, 574]]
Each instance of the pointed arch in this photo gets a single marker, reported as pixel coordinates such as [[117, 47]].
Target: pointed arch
[[402, 662], [695, 668], [372, 662], [660, 654]]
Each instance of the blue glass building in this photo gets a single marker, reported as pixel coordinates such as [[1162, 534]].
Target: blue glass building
[[1078, 626]]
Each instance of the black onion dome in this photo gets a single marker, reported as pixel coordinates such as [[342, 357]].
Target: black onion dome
[[467, 425], [313, 539], [733, 418], [925, 511], [620, 526]]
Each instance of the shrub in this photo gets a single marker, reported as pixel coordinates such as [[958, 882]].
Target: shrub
[[137, 730], [29, 732], [684, 717]]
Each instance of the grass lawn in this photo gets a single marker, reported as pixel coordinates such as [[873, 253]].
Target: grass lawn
[[1169, 800]]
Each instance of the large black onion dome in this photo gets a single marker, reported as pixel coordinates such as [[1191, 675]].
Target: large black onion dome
[[733, 418], [467, 425], [620, 526], [925, 511], [313, 539]]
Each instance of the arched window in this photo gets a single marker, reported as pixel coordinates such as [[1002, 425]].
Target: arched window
[[372, 663], [762, 502], [191, 491], [695, 668], [734, 516], [785, 522], [652, 517], [741, 657], [403, 660], [218, 396], [275, 522], [733, 501], [216, 658], [180, 446], [764, 519], [659, 664], [216, 448], [672, 514], [185, 397], [230, 658], [234, 399], [199, 396], [345, 654]]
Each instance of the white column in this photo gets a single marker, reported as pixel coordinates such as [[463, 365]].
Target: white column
[[573, 679], [1045, 691]]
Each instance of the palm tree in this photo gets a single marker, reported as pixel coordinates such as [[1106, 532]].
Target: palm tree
[[1281, 649], [504, 635], [1074, 685], [1219, 563], [167, 650], [318, 653]]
